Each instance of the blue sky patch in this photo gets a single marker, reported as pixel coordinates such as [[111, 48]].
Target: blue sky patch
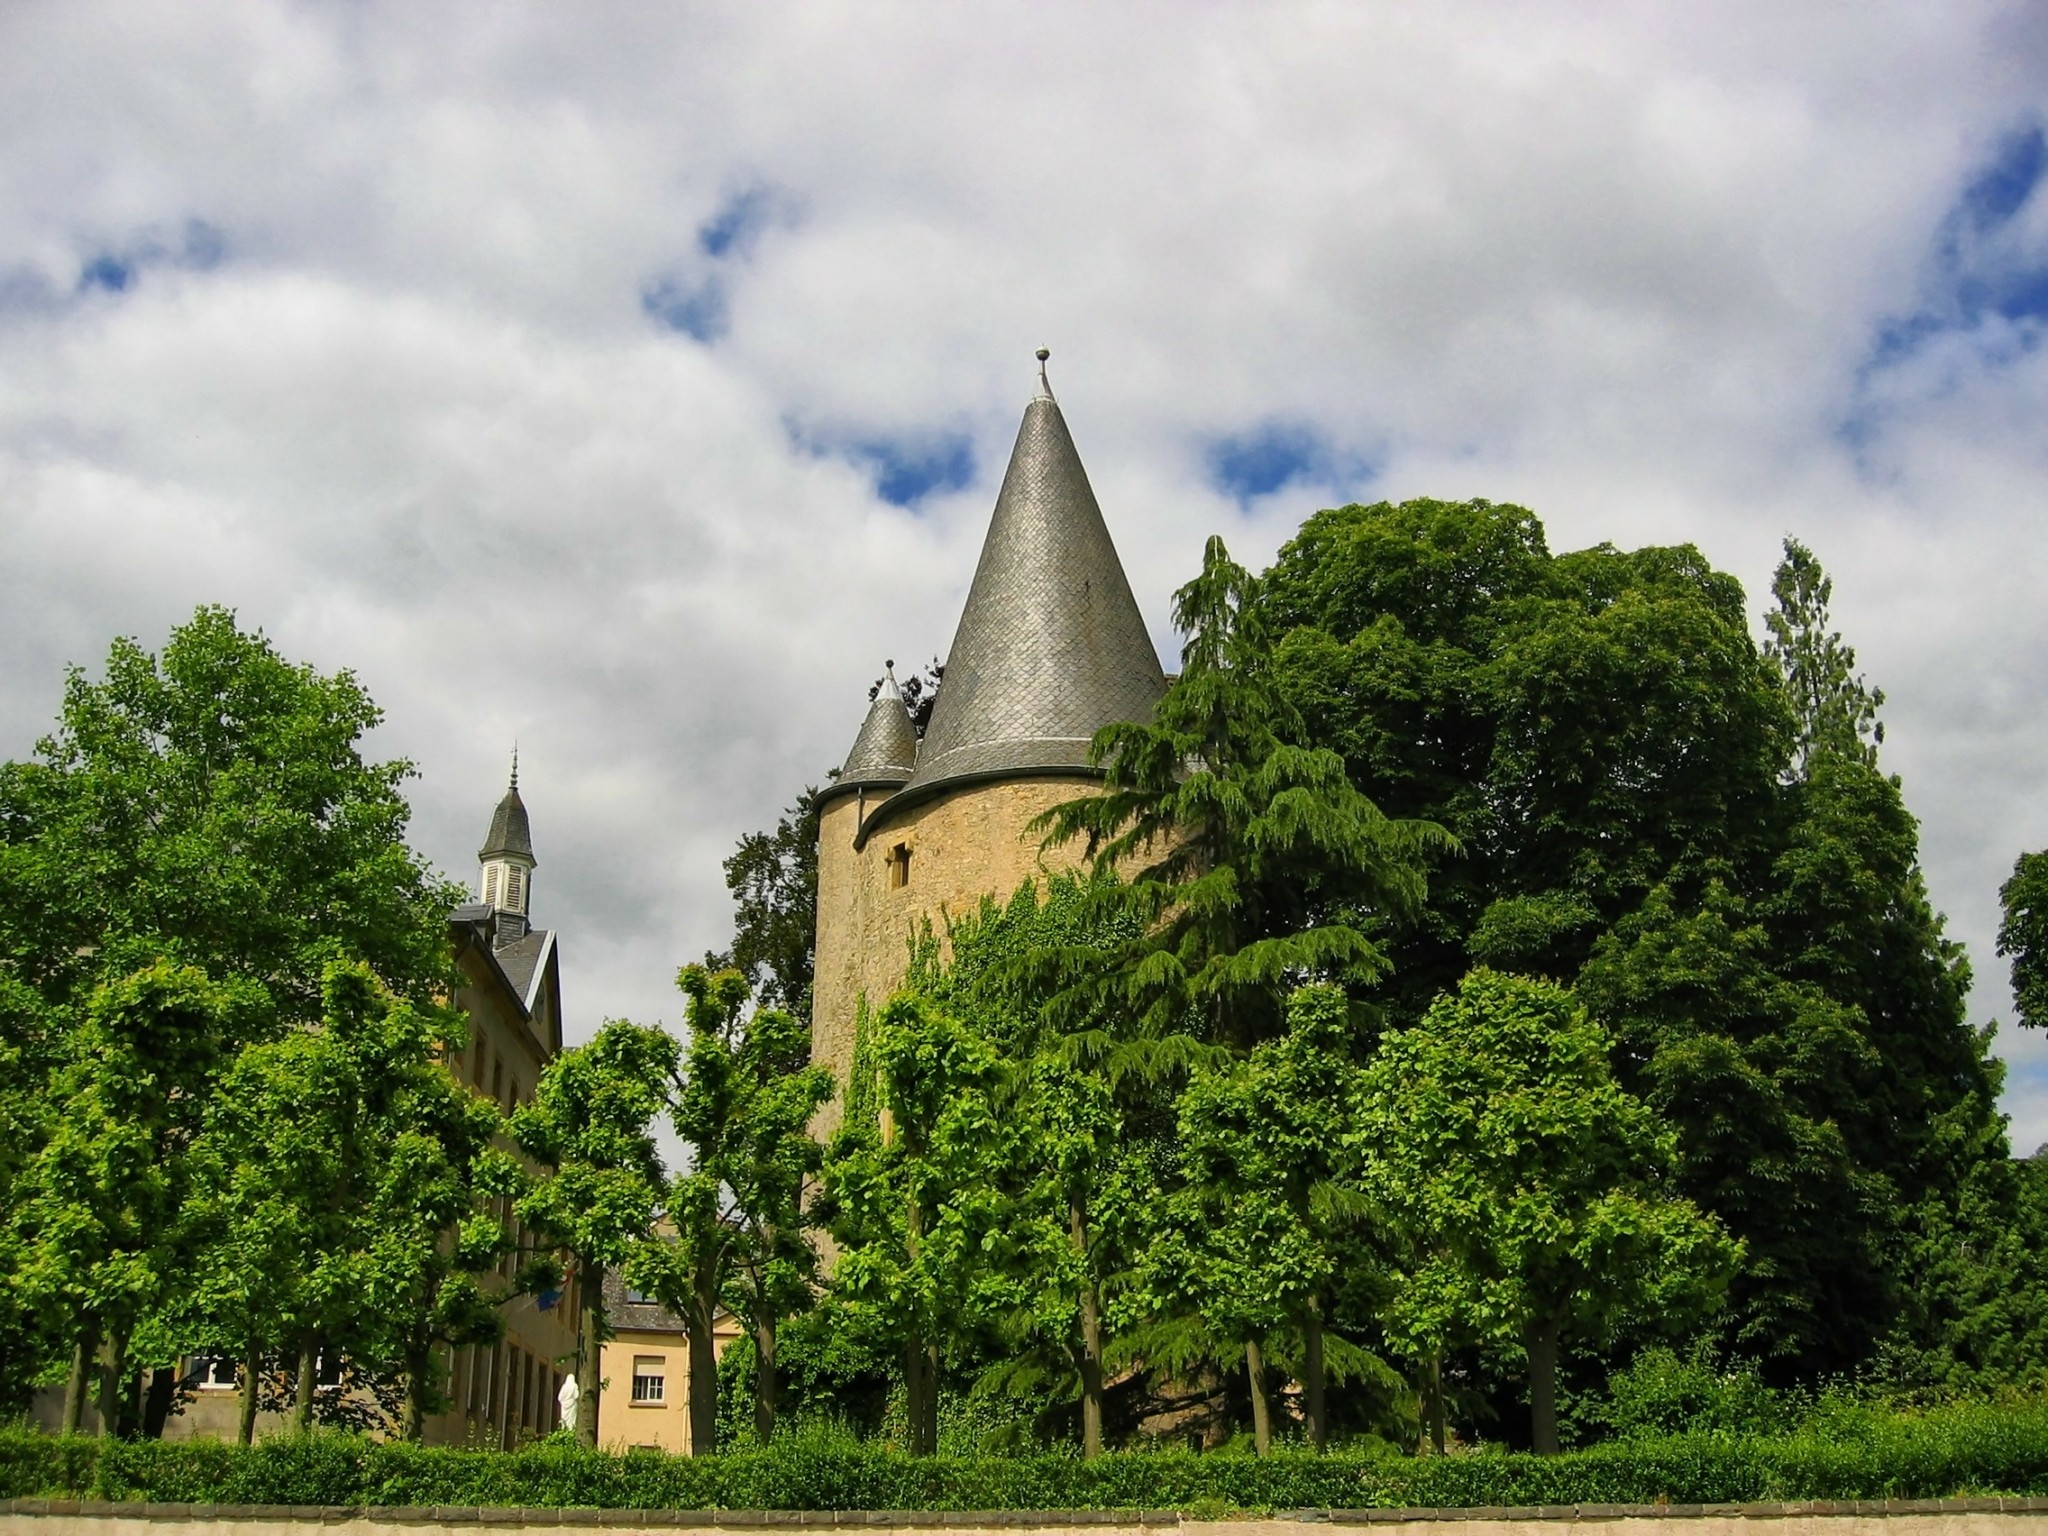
[[734, 228], [697, 310], [1982, 267], [1248, 465], [199, 247], [907, 470], [906, 467]]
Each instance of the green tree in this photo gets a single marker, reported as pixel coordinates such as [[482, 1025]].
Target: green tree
[[1249, 862], [749, 1091], [1584, 724], [1753, 1070], [1494, 1130], [597, 1179], [773, 877], [1272, 1213], [913, 1197], [2023, 936], [1836, 712], [336, 1197], [98, 1211], [208, 807]]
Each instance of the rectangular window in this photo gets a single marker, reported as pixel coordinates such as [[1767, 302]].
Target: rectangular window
[[899, 866], [512, 884], [211, 1372], [490, 885], [649, 1378]]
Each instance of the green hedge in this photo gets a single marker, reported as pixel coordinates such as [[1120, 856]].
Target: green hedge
[[1962, 1450]]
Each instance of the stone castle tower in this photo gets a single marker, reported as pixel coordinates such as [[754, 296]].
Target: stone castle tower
[[1050, 649]]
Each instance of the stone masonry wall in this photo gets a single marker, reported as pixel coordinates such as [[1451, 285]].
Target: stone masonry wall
[[963, 845]]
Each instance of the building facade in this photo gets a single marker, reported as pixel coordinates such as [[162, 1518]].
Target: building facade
[[1050, 648], [645, 1403]]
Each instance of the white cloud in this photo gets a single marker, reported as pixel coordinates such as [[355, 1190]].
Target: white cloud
[[1621, 265]]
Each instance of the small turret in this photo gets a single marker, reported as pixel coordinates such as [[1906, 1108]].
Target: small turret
[[885, 752], [506, 883]]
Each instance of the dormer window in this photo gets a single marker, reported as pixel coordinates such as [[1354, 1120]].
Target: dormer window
[[899, 866]]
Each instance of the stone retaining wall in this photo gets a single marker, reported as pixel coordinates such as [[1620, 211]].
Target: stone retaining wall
[[1893, 1517]]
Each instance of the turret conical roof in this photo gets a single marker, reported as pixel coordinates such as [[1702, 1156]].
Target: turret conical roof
[[1051, 646], [885, 751], [510, 834]]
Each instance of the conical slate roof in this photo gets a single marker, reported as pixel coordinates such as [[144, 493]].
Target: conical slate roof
[[885, 751], [509, 832], [1051, 647]]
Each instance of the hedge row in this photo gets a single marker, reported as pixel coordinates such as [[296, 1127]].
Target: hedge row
[[1970, 1450]]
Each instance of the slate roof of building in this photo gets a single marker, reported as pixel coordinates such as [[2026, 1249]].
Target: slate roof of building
[[1051, 646], [522, 957], [510, 832], [648, 1316]]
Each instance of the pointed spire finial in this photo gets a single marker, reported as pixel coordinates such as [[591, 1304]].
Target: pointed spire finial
[[1044, 384], [890, 688], [515, 764]]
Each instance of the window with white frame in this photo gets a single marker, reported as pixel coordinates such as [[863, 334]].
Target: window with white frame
[[650, 1378]]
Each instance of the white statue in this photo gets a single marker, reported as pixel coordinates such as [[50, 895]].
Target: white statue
[[568, 1398]]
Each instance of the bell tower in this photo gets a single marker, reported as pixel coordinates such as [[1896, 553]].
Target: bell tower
[[506, 882]]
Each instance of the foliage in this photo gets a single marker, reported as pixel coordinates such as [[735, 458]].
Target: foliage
[[748, 1094], [597, 1177], [1269, 1222], [1837, 713], [1948, 1452], [1691, 830], [914, 1201], [1250, 863], [2023, 936], [206, 813], [336, 1199], [773, 877], [1536, 1192], [98, 1224]]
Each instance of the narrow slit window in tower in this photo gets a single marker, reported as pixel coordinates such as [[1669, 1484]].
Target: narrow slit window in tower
[[899, 866]]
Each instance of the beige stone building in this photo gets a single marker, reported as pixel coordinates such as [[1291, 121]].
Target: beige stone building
[[1051, 648], [645, 1403]]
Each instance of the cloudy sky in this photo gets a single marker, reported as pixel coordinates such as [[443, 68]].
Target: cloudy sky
[[630, 380]]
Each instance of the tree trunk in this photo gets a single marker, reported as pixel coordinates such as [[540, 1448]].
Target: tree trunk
[[252, 1371], [920, 1356], [156, 1407], [589, 1349], [1262, 1411], [302, 1404], [1436, 1400], [764, 1380], [704, 1367], [113, 1383], [1542, 1344], [419, 1381], [1314, 1378], [84, 1360], [1091, 1338]]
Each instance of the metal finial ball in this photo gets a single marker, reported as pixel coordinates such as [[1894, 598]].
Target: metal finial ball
[[891, 662], [1044, 353]]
